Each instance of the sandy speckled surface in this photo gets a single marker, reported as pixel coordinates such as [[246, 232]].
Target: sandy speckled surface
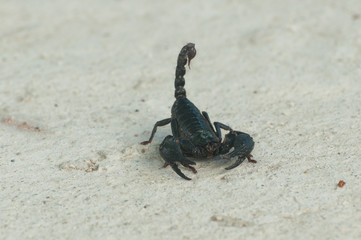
[[83, 82]]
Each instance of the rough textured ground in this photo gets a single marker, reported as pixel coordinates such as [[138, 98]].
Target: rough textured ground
[[83, 82]]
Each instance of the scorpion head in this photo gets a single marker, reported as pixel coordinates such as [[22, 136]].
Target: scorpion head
[[207, 141], [212, 148]]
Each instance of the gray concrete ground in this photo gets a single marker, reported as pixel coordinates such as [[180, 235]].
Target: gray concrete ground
[[83, 82]]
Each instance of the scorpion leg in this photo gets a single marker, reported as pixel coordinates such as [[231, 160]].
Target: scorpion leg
[[218, 126], [205, 114], [157, 124], [171, 152]]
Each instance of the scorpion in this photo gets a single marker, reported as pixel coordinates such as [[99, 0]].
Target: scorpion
[[193, 134]]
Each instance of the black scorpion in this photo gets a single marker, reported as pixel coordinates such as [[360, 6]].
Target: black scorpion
[[193, 133]]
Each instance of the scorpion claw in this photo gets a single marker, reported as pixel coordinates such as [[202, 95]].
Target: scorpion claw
[[179, 172], [236, 164], [241, 160], [185, 162], [243, 145], [172, 153]]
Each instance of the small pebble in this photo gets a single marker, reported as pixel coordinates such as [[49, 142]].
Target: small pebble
[[341, 183]]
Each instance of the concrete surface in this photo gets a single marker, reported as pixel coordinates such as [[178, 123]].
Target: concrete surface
[[83, 82]]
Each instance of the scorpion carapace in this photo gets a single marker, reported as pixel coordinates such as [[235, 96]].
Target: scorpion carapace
[[193, 133]]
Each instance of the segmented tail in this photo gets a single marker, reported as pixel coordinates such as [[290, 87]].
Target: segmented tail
[[187, 53]]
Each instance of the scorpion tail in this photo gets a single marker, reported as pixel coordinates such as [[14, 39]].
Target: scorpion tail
[[187, 53]]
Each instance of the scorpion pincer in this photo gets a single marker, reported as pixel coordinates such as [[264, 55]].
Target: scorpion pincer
[[193, 133]]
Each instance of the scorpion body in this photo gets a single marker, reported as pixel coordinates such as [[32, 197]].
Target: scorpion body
[[193, 133]]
